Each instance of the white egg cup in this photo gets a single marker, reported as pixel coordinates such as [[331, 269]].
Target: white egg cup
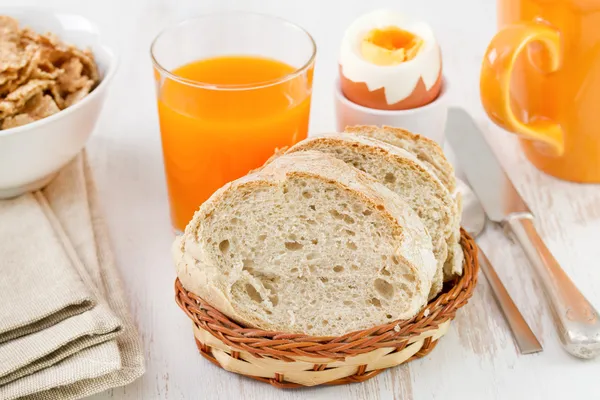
[[428, 120]]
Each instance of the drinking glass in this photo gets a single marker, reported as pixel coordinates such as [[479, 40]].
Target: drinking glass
[[231, 88]]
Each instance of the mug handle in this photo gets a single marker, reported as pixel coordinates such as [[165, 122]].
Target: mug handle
[[496, 73]]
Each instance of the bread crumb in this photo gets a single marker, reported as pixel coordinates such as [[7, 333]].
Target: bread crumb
[[426, 312], [397, 327]]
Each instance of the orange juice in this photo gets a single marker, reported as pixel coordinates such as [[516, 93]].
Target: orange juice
[[225, 117]]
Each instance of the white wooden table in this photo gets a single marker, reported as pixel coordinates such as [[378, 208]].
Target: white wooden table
[[477, 359]]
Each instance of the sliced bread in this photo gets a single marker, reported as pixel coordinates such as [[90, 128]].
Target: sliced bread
[[405, 175], [425, 149], [432, 155], [307, 244]]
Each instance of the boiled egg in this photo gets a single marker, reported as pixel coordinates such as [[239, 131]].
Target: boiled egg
[[389, 61]]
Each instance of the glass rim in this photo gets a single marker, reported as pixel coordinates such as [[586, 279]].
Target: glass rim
[[233, 87]]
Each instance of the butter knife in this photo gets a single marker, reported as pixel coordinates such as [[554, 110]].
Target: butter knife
[[576, 320]]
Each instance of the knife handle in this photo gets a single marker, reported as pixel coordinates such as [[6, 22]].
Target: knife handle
[[575, 318], [522, 333]]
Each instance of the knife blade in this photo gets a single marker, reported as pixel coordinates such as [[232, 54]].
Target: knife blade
[[576, 320], [496, 192]]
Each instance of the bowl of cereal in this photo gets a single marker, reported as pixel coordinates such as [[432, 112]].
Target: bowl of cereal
[[54, 74]]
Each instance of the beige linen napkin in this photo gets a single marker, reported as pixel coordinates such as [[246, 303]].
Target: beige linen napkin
[[70, 333], [29, 250]]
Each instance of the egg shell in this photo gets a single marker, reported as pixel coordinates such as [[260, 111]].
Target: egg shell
[[359, 93]]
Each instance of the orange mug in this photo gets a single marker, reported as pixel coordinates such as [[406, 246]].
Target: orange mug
[[540, 79]]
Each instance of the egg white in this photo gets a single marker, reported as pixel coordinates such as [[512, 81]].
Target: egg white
[[400, 80]]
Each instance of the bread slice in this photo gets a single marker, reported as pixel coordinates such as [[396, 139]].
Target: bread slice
[[309, 245], [432, 155], [426, 150], [405, 175]]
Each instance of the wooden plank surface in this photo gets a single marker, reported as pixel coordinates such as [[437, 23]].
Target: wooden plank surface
[[476, 360]]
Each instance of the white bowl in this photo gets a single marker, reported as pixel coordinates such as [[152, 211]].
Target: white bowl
[[30, 155]]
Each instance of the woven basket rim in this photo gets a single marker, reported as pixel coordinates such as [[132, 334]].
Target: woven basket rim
[[285, 346]]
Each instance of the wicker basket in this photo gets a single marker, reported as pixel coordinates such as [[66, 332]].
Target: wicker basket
[[293, 360]]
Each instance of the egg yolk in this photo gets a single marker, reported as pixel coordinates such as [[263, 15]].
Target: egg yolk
[[390, 46]]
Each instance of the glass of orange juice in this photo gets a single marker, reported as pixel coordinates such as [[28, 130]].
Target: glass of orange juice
[[231, 88]]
